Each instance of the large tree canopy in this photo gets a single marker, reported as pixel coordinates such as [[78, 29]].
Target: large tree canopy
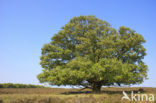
[[89, 52]]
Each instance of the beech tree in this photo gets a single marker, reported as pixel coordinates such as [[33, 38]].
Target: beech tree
[[88, 52]]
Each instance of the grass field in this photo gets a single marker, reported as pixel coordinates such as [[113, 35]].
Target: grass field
[[60, 95]]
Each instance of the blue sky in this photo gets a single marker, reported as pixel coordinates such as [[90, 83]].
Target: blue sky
[[25, 25]]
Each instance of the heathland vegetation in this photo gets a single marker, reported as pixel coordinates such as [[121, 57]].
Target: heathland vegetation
[[61, 95]]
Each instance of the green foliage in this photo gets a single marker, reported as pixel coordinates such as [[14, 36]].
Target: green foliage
[[89, 52], [11, 85]]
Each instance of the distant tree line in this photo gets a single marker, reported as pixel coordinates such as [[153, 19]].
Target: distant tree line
[[11, 85]]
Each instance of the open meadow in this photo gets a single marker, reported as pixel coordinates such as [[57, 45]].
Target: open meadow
[[61, 95]]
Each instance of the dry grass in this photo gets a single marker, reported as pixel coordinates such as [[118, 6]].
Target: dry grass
[[60, 95]]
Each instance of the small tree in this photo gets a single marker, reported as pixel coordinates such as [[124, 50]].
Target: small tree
[[89, 52]]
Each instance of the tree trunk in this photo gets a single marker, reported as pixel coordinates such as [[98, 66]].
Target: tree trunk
[[96, 88]]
